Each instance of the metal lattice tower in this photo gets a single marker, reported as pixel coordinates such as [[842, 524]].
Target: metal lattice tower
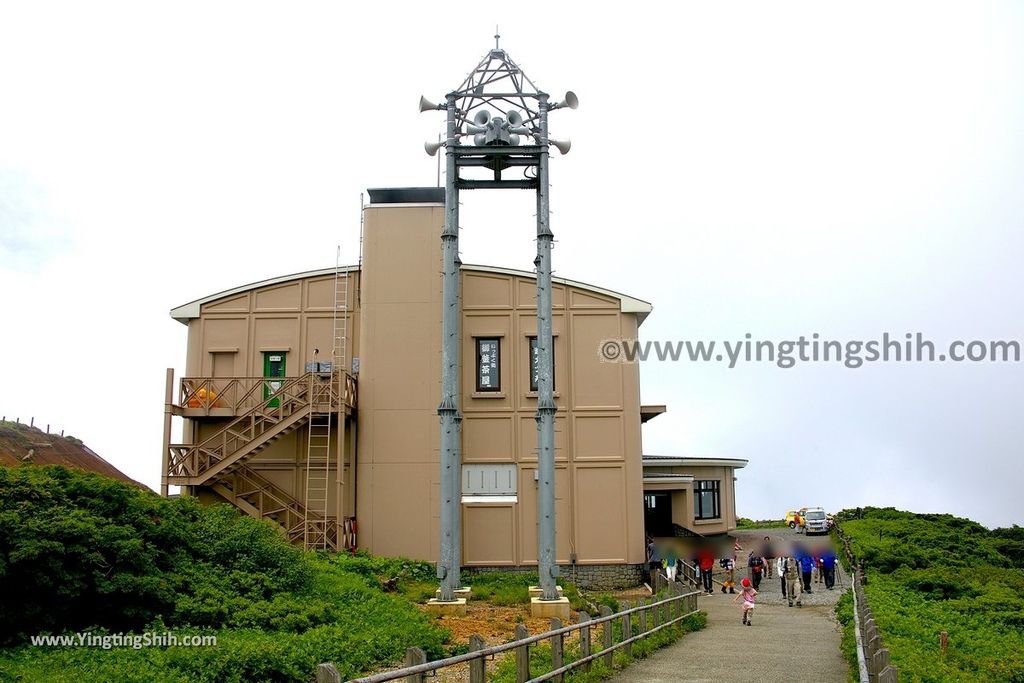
[[498, 107]]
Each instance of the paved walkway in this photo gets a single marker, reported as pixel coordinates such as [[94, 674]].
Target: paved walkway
[[784, 645]]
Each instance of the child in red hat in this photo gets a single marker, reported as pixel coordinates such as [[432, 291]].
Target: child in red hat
[[748, 595]]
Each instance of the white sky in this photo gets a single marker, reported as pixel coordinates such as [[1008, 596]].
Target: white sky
[[772, 169]]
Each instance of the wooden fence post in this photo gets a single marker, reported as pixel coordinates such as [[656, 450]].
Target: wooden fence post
[[943, 641], [584, 619], [477, 667], [643, 616], [556, 648], [414, 656], [522, 656], [889, 675], [627, 628], [327, 673], [606, 632]]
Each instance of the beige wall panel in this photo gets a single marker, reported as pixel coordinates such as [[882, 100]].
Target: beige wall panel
[[224, 364], [286, 297], [598, 437], [581, 299], [526, 294], [403, 436], [402, 514], [682, 508], [225, 334], [601, 517], [320, 293], [527, 516], [319, 334], [595, 384], [486, 291], [401, 369], [488, 535], [194, 352], [236, 304], [528, 438], [487, 438], [277, 334], [404, 274]]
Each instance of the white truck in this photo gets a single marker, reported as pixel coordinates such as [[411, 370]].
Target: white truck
[[815, 521]]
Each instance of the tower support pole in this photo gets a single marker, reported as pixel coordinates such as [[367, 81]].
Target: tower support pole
[[448, 410], [547, 566]]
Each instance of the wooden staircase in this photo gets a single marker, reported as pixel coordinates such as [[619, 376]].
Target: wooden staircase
[[219, 461]]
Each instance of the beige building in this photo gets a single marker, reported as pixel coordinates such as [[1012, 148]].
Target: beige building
[[265, 426]]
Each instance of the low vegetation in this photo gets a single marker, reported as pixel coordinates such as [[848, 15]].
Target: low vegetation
[[745, 523], [933, 573], [82, 552]]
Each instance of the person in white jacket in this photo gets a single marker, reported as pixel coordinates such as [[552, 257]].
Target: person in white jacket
[[780, 567]]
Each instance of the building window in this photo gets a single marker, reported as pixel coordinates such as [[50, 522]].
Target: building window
[[488, 364], [706, 500], [535, 363]]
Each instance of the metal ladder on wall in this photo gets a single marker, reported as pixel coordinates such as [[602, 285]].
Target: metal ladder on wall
[[327, 392]]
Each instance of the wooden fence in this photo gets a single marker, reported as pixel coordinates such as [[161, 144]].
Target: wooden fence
[[637, 622], [872, 657]]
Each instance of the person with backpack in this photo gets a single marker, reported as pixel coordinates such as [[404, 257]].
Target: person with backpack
[[768, 552], [729, 565], [670, 562], [756, 566]]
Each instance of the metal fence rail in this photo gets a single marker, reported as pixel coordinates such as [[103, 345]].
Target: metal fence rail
[[872, 658], [647, 617]]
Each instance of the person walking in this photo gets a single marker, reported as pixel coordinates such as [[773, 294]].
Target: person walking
[[806, 568], [780, 569], [756, 565], [828, 565], [653, 563], [670, 563], [748, 595], [706, 563], [768, 553], [791, 575], [729, 584]]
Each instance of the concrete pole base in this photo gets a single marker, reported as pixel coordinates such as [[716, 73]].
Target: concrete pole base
[[537, 591], [456, 607], [545, 609], [464, 592]]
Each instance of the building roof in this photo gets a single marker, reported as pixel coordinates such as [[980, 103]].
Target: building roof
[[679, 461], [627, 304], [20, 443]]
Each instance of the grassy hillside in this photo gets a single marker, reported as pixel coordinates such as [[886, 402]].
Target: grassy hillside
[[82, 552], [933, 573]]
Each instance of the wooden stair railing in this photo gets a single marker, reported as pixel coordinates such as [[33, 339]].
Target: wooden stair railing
[[276, 415], [262, 499]]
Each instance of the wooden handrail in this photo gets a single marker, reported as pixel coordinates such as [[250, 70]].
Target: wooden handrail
[[530, 640]]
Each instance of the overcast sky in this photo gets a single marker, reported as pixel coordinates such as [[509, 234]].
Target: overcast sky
[[778, 170]]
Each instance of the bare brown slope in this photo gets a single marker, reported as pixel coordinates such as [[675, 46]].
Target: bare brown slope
[[20, 443]]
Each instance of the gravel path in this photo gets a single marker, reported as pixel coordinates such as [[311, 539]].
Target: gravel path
[[767, 652]]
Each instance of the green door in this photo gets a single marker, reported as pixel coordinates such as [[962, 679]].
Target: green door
[[273, 366]]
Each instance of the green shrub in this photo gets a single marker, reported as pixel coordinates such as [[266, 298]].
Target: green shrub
[[934, 573]]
